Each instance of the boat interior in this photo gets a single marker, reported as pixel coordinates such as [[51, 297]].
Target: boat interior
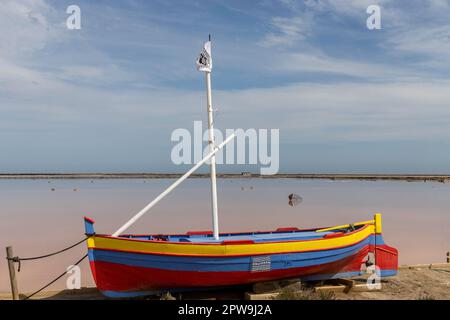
[[281, 234]]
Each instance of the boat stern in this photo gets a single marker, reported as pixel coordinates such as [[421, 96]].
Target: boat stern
[[89, 226], [376, 257], [385, 256]]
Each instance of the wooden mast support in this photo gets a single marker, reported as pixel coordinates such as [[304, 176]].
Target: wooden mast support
[[173, 186], [12, 273]]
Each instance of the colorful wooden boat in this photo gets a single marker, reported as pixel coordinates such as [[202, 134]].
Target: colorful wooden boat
[[134, 265]]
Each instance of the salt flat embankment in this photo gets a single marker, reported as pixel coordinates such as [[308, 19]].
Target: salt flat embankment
[[328, 176]]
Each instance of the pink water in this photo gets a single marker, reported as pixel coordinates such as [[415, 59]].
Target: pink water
[[36, 220]]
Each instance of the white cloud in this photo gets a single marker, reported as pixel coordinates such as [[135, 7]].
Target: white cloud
[[304, 112], [38, 53], [321, 63], [34, 97], [432, 42], [414, 43], [345, 111], [26, 25], [76, 71], [354, 8], [287, 31], [19, 80]]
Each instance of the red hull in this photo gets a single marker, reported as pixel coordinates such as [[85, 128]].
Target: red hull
[[119, 277]]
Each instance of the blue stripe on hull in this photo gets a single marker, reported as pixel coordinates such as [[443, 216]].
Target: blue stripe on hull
[[132, 294], [378, 239], [224, 264], [383, 274]]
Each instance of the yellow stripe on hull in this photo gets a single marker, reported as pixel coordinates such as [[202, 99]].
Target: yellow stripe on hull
[[171, 248]]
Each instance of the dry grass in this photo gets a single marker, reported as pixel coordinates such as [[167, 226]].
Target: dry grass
[[425, 296]]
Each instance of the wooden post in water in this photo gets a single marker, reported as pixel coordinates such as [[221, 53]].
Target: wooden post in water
[[448, 257], [12, 274]]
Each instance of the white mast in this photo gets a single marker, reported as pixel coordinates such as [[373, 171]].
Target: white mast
[[215, 216]]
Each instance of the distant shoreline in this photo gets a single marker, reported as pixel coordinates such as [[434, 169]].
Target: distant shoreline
[[245, 175]]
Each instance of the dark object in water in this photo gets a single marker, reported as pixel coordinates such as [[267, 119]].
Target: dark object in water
[[294, 199]]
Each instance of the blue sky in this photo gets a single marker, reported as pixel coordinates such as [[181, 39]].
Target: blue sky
[[108, 96]]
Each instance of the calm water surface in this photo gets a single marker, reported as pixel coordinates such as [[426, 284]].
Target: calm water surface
[[36, 219]]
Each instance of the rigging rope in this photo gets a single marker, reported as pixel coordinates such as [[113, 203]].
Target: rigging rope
[[54, 280], [18, 260]]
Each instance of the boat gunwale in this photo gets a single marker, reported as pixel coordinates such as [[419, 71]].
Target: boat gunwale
[[105, 236], [229, 255], [225, 255]]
